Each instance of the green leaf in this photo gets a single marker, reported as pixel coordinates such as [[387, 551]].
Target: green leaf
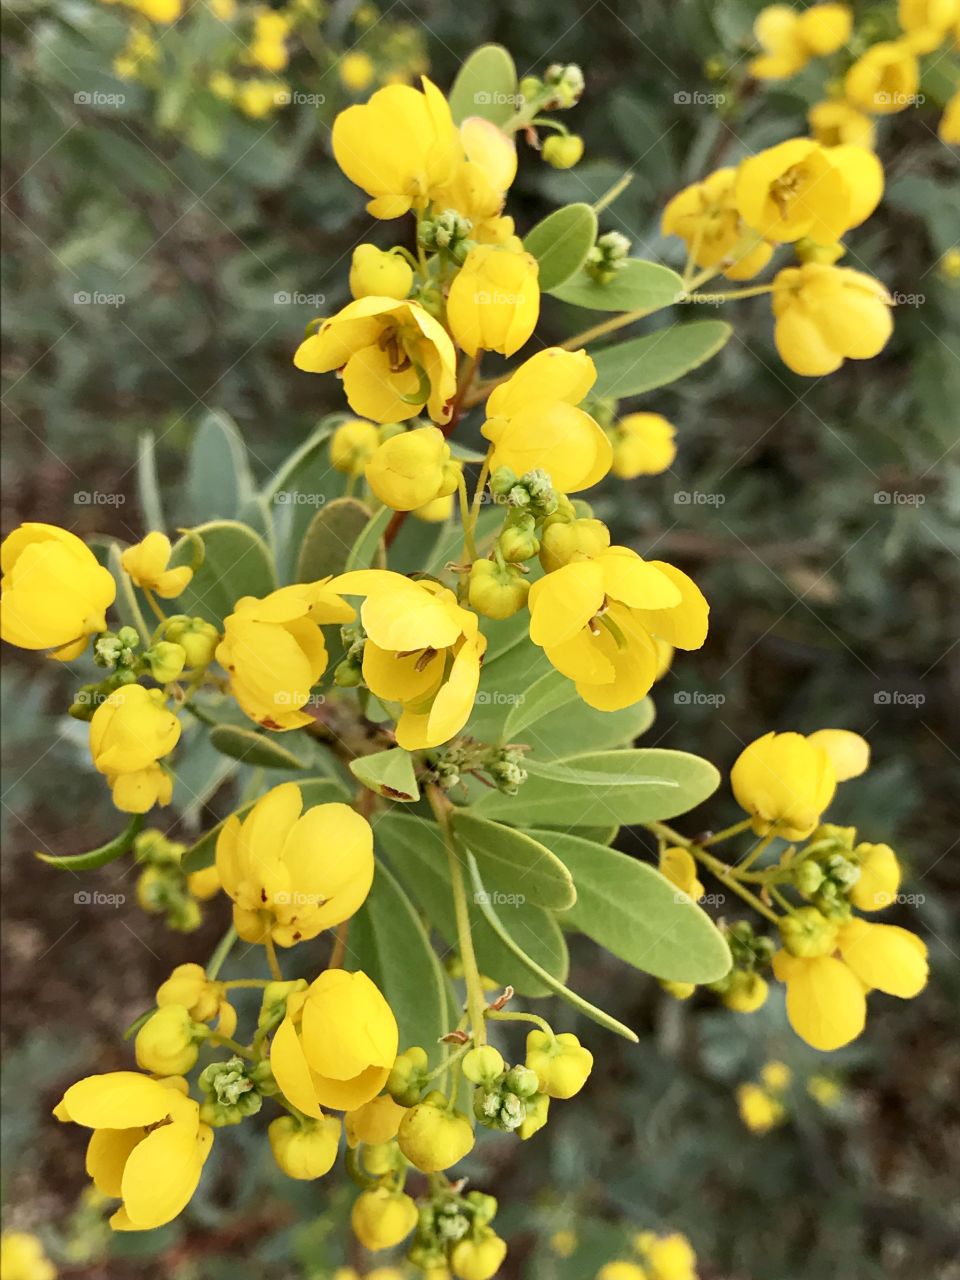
[[95, 858], [368, 551], [388, 942], [417, 854], [127, 604], [505, 682], [148, 488], [219, 480], [637, 914], [640, 364], [313, 790], [250, 747], [637, 286], [486, 85], [515, 863], [593, 790], [236, 563], [547, 694], [329, 538], [553, 984], [561, 242], [575, 728], [388, 773]]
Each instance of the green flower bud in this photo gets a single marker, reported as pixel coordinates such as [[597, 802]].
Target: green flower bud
[[518, 540], [484, 1207], [273, 1007], [806, 932], [231, 1094], [808, 876], [197, 638], [408, 1076], [562, 150], [495, 592], [166, 660], [522, 1081], [483, 1065]]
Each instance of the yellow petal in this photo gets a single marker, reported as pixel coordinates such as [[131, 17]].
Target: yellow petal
[[160, 1176], [849, 753], [107, 1153], [885, 957], [826, 1004], [291, 1070], [116, 1100]]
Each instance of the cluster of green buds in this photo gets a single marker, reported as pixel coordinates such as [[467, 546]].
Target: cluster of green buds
[[827, 869], [506, 1098], [446, 232], [744, 989], [232, 1091], [608, 256], [348, 674], [454, 1234], [565, 84], [164, 888], [502, 764], [195, 636], [117, 652], [532, 493]]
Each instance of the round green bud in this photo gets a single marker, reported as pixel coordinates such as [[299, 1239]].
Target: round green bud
[[483, 1064]]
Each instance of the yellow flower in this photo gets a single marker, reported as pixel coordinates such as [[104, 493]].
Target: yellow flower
[[824, 1090], [746, 992], [258, 98], [436, 511], [55, 595], [225, 10], [669, 1257], [705, 217], [825, 314], [148, 1146], [271, 55], [336, 1045], [412, 468], [790, 39], [304, 1149], [879, 877], [387, 275], [189, 986], [776, 1076], [784, 781], [597, 619], [399, 147], [356, 71], [22, 1257], [352, 445], [800, 189], [433, 1137], [680, 868], [129, 733], [381, 1219], [643, 445], [826, 993], [533, 422], [159, 10], [422, 650], [561, 1062], [758, 1110], [885, 79], [927, 23], [949, 127], [622, 1271], [478, 1259], [166, 1044], [395, 357], [274, 651], [293, 874], [146, 563], [375, 1123], [494, 301], [834, 123], [485, 171]]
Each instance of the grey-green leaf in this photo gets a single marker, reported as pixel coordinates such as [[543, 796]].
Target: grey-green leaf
[[560, 242], [329, 538], [486, 85], [236, 563], [148, 488], [593, 790], [219, 480], [641, 364], [550, 692], [250, 747], [388, 773], [513, 862], [637, 286], [368, 549], [637, 914]]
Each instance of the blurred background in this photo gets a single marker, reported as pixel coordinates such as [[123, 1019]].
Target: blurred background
[[173, 218]]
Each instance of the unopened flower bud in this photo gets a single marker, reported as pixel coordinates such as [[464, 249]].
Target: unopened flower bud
[[408, 1076], [197, 637], [352, 445], [562, 150], [807, 933], [478, 1258], [517, 540], [495, 592], [808, 876], [483, 1064], [166, 660], [746, 992], [231, 1093], [433, 1137], [561, 1063], [387, 275], [564, 542], [166, 1044], [382, 1218], [607, 256], [304, 1149]]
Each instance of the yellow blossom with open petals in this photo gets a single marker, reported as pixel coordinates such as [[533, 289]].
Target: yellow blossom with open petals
[[422, 650], [834, 123], [927, 23], [337, 1044], [825, 314], [55, 594], [885, 79], [533, 422], [148, 1145], [399, 147], [494, 301], [643, 445], [785, 781], [705, 216], [479, 182], [412, 468], [290, 873], [596, 620], [796, 189], [274, 651], [205, 1001], [130, 732], [147, 562], [395, 359], [790, 38]]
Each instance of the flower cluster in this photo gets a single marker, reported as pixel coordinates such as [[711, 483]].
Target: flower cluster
[[656, 1257], [766, 1103]]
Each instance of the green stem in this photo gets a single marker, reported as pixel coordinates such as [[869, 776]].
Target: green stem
[[469, 546], [500, 1016], [782, 902], [729, 295], [611, 193], [759, 848], [727, 832], [242, 1050], [724, 873], [241, 984], [272, 961], [223, 949], [476, 1002]]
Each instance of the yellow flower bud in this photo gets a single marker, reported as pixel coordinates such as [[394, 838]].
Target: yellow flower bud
[[622, 1271], [432, 1137], [22, 1257], [379, 1160], [352, 445], [746, 992], [167, 661], [166, 1044], [304, 1149], [561, 1063], [495, 592], [643, 445], [375, 1123], [494, 300], [356, 71], [776, 1075], [197, 638], [879, 877], [188, 986], [824, 1091], [758, 1110], [562, 542], [129, 732], [411, 469], [204, 884], [382, 1218], [563, 150], [405, 1082], [835, 122], [55, 594], [679, 990], [437, 511], [387, 275], [146, 563], [483, 1064], [784, 780], [671, 1257], [478, 1259]]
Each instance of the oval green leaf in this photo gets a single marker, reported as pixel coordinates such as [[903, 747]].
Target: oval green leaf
[[250, 747], [550, 692], [637, 286], [641, 364], [236, 563], [561, 242], [635, 913], [388, 773], [219, 480], [486, 85], [513, 862], [330, 537], [95, 858]]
